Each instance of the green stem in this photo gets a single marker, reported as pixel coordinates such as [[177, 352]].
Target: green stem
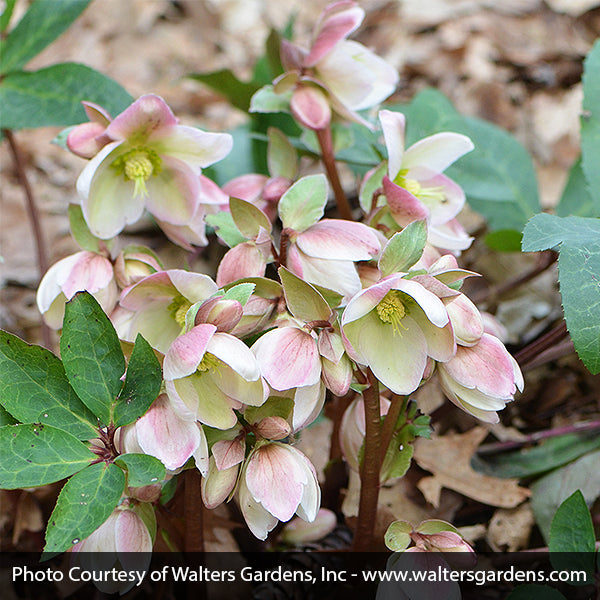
[[326, 144], [369, 475], [397, 407]]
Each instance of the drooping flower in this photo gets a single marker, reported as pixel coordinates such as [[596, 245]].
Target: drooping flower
[[150, 162], [482, 378], [393, 326], [277, 482], [208, 374], [83, 271], [415, 187]]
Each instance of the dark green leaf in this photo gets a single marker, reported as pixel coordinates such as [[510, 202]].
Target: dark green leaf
[[6, 418], [572, 529], [576, 198], [590, 122], [52, 96], [41, 25], [9, 6], [34, 388], [504, 240], [547, 455], [142, 469], [34, 455], [533, 591], [142, 384], [224, 82], [92, 354], [84, 503], [579, 276]]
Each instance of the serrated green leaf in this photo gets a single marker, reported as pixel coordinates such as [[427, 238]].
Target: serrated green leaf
[[248, 218], [282, 157], [303, 300], [576, 199], [549, 454], [142, 384], [550, 491], [92, 355], [266, 100], [34, 455], [53, 96], [303, 203], [80, 230], [578, 275], [590, 122], [227, 84], [40, 26], [403, 249], [225, 228], [240, 292], [84, 503], [533, 591], [34, 388], [142, 469], [572, 529]]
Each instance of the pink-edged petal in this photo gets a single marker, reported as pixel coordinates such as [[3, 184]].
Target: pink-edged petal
[[217, 484], [276, 479], [337, 376], [203, 398], [308, 402], [96, 113], [398, 360], [228, 453], [234, 353], [335, 239], [131, 535], [404, 206], [487, 367], [155, 287], [91, 272], [441, 345], [337, 275], [356, 76], [330, 345], [259, 520], [148, 116], [311, 496], [243, 260], [211, 193], [453, 198], [310, 107], [393, 126], [201, 454], [156, 325], [437, 152], [367, 299], [186, 352], [163, 434], [194, 147], [235, 387], [83, 139], [337, 21], [288, 358], [51, 284], [173, 194], [193, 286], [449, 236], [466, 320], [431, 305], [246, 187], [187, 236]]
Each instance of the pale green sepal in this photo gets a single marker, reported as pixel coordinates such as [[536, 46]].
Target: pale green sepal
[[248, 218], [282, 158], [303, 300], [303, 204], [397, 536], [404, 249]]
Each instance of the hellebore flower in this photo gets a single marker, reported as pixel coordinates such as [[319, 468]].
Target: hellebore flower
[[277, 482], [208, 374], [84, 270], [415, 187], [156, 306], [150, 162], [87, 139], [393, 326], [481, 379]]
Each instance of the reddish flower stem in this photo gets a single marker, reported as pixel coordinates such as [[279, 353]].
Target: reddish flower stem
[[369, 475], [535, 348], [326, 144], [34, 220], [193, 512]]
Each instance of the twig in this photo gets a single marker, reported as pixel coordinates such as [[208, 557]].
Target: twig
[[563, 348], [544, 342], [326, 145], [34, 220], [369, 475], [193, 512], [497, 447]]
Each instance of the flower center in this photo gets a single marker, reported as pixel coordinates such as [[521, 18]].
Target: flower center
[[178, 309], [209, 362], [392, 309], [427, 195], [138, 165]]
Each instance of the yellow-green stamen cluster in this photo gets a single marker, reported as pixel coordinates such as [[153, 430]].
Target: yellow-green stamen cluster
[[392, 309], [427, 195], [178, 309], [209, 362], [138, 165]]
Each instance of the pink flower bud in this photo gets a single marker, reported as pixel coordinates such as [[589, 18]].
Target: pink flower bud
[[298, 531], [131, 267], [223, 313], [273, 428]]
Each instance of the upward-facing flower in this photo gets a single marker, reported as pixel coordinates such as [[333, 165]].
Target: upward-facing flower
[[150, 162], [393, 326]]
